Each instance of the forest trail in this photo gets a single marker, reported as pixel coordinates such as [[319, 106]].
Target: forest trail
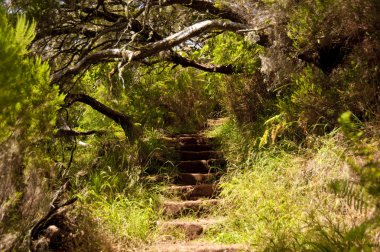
[[189, 200]]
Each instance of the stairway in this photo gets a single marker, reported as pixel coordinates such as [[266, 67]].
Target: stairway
[[191, 197]]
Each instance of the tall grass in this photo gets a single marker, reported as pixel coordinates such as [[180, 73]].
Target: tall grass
[[281, 198], [126, 220], [121, 204]]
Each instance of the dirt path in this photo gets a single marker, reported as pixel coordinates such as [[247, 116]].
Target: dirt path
[[191, 197]]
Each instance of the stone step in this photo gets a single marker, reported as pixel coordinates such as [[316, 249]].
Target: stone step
[[219, 163], [194, 178], [191, 229], [200, 166], [177, 208], [185, 135], [195, 147], [199, 155], [197, 247], [193, 192], [183, 140], [195, 140]]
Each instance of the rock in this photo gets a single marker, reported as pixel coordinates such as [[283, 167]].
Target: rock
[[177, 208], [199, 155], [193, 192], [193, 178], [190, 230], [52, 231]]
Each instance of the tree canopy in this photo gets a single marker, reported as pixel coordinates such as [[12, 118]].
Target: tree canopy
[[76, 35]]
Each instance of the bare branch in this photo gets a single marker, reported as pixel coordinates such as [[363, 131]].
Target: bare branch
[[148, 50], [70, 132], [184, 62], [205, 6], [185, 34], [123, 120], [65, 30]]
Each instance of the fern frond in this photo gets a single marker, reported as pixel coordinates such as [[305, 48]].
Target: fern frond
[[353, 193], [24, 33]]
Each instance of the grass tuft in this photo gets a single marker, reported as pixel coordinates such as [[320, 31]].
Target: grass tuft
[[281, 199]]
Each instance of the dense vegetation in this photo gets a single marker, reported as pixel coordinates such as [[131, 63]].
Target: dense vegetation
[[89, 87]]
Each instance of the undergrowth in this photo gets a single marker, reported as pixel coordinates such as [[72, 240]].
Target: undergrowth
[[111, 183], [285, 197], [125, 220]]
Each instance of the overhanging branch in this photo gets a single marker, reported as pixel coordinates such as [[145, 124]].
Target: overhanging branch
[[205, 6], [68, 132], [123, 120], [226, 69], [171, 41], [185, 34]]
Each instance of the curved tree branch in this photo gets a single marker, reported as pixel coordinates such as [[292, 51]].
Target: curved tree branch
[[206, 6], [69, 132], [185, 34], [171, 41], [65, 30], [123, 120], [226, 69]]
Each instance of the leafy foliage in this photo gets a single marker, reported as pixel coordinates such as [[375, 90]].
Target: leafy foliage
[[28, 106], [293, 199], [367, 165], [163, 96], [229, 48], [321, 63], [172, 97], [26, 97]]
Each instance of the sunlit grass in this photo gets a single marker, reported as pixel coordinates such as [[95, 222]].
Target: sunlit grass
[[280, 198], [127, 219], [119, 199]]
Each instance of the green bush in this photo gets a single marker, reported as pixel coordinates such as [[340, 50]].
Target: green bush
[[27, 116], [282, 198]]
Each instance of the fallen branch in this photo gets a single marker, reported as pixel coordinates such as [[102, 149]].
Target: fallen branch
[[41, 224]]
